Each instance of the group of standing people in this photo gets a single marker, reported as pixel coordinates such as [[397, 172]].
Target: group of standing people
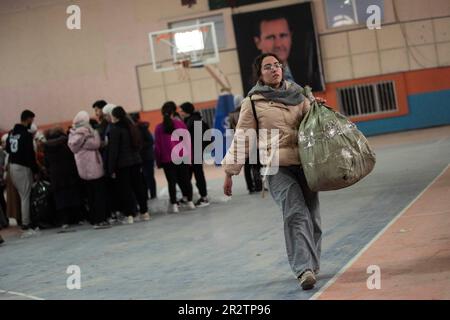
[[100, 170]]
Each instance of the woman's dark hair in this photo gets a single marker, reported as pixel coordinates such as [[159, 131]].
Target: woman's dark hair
[[168, 110], [257, 65], [120, 114]]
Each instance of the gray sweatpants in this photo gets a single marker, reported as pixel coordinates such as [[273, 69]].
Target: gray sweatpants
[[300, 208], [22, 178]]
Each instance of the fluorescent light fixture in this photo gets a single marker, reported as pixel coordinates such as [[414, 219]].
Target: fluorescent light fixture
[[189, 41]]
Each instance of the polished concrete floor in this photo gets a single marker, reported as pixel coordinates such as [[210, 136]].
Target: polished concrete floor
[[234, 249]]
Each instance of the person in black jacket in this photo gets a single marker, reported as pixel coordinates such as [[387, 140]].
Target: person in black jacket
[[22, 163], [65, 181], [147, 154], [191, 117], [102, 122], [125, 164]]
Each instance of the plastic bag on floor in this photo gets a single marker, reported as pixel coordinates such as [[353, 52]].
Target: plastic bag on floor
[[40, 205], [4, 221]]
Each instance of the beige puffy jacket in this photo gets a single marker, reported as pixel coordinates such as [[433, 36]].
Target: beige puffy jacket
[[271, 115]]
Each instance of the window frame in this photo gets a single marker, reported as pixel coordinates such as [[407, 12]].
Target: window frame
[[355, 17]]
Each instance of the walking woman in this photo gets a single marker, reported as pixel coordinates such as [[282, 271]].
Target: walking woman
[[84, 142], [125, 165], [175, 173], [280, 105]]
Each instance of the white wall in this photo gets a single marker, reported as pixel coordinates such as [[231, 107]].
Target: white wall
[[57, 72]]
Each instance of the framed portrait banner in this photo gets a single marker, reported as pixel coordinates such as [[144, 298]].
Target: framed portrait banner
[[287, 31]]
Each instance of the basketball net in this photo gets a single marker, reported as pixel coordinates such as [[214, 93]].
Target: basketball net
[[183, 69]]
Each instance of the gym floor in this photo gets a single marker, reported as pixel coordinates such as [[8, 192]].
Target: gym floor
[[396, 221]]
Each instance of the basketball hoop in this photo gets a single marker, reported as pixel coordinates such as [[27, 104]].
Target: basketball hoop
[[184, 47]]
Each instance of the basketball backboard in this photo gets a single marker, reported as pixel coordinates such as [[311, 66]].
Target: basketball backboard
[[195, 45]]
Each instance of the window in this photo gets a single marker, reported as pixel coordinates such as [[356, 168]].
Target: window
[[189, 41], [350, 12], [218, 25], [368, 99]]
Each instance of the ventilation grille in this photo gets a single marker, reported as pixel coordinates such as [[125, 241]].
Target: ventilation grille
[[368, 99]]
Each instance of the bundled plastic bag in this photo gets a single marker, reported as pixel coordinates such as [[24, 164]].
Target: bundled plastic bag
[[40, 206], [4, 221], [333, 152]]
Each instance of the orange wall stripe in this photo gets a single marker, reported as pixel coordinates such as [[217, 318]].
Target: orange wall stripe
[[429, 80], [407, 83]]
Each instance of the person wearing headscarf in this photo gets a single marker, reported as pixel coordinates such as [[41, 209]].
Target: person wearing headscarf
[[84, 142]]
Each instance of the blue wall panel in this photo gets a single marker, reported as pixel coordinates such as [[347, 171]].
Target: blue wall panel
[[425, 110]]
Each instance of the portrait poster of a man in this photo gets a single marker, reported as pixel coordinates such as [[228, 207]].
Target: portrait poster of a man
[[286, 31]]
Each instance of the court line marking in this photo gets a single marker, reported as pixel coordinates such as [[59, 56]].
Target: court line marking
[[21, 294], [347, 266]]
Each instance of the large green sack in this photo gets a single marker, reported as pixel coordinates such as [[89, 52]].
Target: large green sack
[[333, 152]]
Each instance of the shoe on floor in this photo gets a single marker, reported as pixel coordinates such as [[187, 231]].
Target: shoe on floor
[[145, 216], [173, 208], [130, 220], [102, 225], [30, 232], [182, 202], [307, 280], [190, 205], [202, 202]]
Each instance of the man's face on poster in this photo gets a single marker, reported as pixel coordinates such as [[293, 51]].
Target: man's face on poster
[[275, 37]]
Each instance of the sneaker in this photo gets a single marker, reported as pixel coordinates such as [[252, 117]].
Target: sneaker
[[173, 208], [202, 202], [145, 216], [190, 205], [182, 202], [130, 220], [307, 280], [30, 233]]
